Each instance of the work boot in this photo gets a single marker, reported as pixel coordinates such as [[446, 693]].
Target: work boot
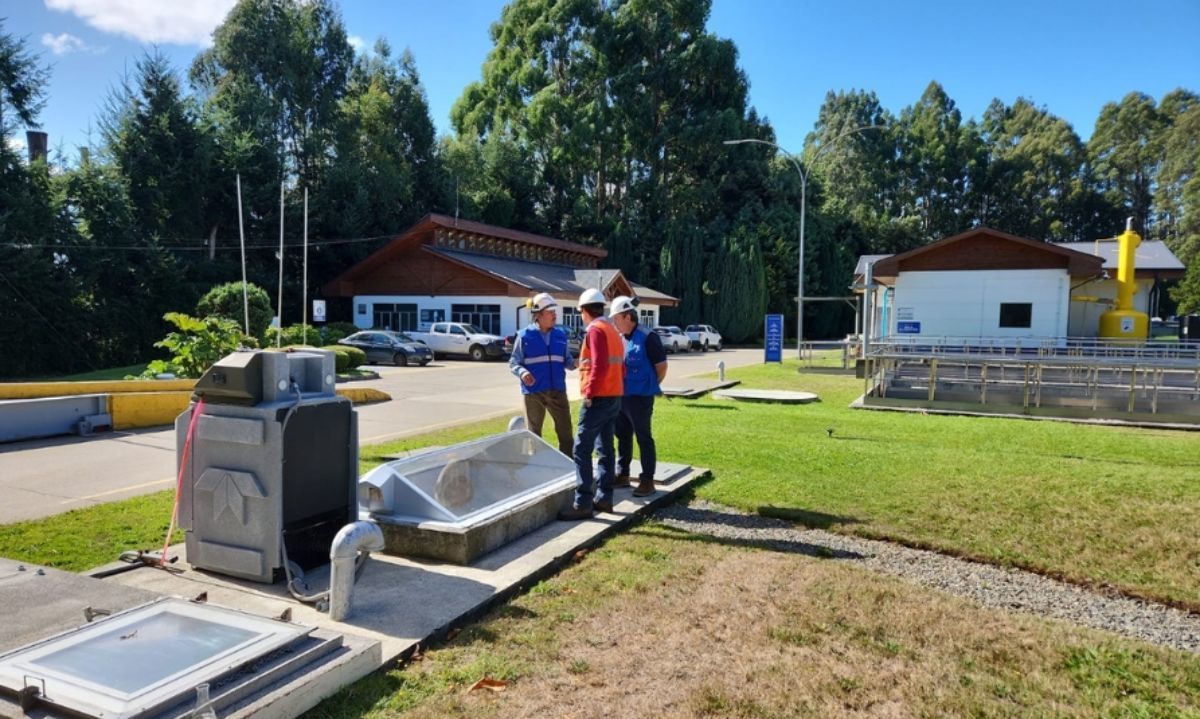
[[622, 480], [574, 514], [645, 488], [603, 506]]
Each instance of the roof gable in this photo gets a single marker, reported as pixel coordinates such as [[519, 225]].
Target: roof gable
[[987, 249]]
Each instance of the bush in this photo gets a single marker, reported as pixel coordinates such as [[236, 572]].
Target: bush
[[294, 336], [196, 346], [334, 331], [226, 301], [346, 357]]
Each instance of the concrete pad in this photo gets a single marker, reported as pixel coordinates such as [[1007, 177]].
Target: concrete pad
[[37, 603], [698, 390], [777, 396], [403, 603]]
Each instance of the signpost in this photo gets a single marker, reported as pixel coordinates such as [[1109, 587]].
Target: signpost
[[773, 338], [318, 310]]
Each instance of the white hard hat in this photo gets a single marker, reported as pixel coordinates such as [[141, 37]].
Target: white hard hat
[[542, 301], [622, 304], [591, 297]]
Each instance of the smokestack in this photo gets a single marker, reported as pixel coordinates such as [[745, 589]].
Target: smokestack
[[38, 144]]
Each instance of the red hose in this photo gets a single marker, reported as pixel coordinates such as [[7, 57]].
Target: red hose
[[187, 449]]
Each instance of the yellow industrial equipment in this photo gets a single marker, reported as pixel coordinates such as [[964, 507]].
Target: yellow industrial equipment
[[1122, 321]]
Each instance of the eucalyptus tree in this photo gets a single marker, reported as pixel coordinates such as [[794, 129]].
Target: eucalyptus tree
[[935, 149], [273, 82], [1178, 200], [1033, 160], [1125, 151]]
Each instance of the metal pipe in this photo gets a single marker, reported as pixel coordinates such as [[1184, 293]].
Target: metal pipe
[[352, 539]]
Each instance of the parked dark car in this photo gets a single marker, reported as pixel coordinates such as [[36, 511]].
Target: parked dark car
[[393, 347], [574, 340]]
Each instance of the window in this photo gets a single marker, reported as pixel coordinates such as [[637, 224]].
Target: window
[[485, 317], [440, 328], [571, 318], [1016, 314], [362, 309], [395, 317], [429, 316], [646, 318], [456, 330]]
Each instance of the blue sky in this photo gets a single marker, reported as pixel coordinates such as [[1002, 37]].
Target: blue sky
[[1071, 56]]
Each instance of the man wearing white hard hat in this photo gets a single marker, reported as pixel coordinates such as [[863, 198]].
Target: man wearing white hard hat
[[645, 369], [540, 359], [602, 382]]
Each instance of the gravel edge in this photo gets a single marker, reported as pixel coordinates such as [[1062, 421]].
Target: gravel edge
[[988, 585]]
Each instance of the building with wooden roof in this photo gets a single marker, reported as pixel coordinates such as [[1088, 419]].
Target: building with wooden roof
[[447, 269], [984, 283]]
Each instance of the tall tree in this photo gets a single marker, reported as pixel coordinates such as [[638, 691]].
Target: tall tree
[[22, 83], [278, 70], [36, 291], [153, 134], [1125, 150], [935, 150], [1179, 202], [1031, 165]]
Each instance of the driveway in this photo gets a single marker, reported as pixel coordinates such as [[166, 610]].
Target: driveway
[[39, 478]]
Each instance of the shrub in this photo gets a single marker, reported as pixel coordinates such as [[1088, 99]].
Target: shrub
[[226, 301], [346, 357], [294, 336], [198, 343], [334, 331]]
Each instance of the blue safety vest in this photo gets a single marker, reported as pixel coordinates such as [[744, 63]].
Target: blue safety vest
[[546, 364], [640, 377]]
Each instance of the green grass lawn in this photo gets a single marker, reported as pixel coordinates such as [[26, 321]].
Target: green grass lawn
[[1096, 504]]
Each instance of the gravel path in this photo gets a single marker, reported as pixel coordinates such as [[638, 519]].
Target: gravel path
[[991, 586]]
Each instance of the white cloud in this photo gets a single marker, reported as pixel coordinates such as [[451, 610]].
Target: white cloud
[[64, 43], [180, 22], [16, 143], [357, 43]]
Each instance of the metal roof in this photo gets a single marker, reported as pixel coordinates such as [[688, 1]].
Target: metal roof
[[1150, 255], [546, 277]]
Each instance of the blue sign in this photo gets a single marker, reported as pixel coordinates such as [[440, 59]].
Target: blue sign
[[773, 338], [908, 328]]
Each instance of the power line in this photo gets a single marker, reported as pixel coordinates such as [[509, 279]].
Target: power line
[[187, 248]]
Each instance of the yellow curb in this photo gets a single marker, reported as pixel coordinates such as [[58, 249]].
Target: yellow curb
[[147, 409], [33, 390], [364, 395]]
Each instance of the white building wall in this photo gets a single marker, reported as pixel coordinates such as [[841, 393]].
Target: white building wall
[[1085, 314], [513, 313], [967, 303]]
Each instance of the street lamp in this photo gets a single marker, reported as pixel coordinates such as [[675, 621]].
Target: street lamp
[[803, 196]]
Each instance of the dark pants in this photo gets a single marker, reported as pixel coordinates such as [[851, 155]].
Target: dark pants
[[597, 425], [555, 402], [636, 414]]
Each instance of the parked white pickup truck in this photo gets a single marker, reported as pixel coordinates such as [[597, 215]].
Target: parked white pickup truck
[[458, 338], [704, 337]]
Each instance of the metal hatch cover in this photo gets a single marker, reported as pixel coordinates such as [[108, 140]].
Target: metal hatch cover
[[140, 661]]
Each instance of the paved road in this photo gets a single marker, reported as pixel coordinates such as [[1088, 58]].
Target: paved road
[[44, 477]]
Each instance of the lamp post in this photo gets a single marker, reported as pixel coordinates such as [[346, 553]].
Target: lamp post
[[803, 196]]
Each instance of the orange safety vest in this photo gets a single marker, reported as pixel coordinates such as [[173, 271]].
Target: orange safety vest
[[612, 382]]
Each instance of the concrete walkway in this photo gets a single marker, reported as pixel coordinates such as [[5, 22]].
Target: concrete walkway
[[40, 478]]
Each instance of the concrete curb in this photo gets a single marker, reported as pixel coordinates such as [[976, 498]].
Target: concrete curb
[[364, 395], [33, 390]]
